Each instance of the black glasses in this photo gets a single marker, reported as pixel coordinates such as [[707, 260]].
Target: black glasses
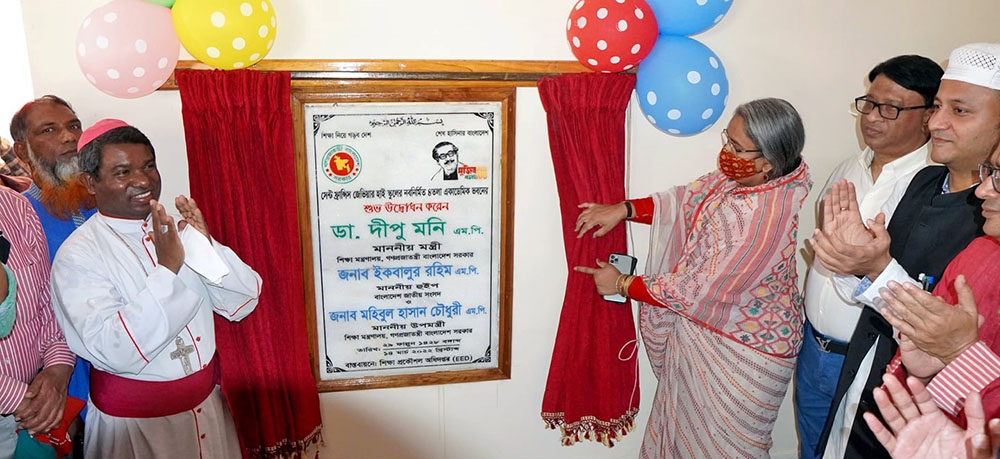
[[887, 111], [986, 170], [726, 142]]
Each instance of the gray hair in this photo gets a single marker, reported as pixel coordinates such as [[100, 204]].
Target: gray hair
[[776, 128]]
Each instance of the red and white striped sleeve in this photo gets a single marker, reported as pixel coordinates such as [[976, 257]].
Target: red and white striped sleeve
[[51, 342], [35, 340], [973, 370]]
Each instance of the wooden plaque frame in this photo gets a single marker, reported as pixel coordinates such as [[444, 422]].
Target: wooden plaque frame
[[410, 81]]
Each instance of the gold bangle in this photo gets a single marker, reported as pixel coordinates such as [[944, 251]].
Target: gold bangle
[[618, 283], [623, 287]]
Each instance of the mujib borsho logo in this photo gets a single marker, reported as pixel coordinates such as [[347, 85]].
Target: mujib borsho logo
[[342, 164]]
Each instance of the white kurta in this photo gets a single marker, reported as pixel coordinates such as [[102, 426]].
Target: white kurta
[[830, 312], [133, 318]]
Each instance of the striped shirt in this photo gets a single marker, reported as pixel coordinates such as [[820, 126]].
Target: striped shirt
[[36, 341], [974, 369]]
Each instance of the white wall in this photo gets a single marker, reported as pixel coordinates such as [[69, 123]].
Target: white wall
[[815, 54], [16, 74]]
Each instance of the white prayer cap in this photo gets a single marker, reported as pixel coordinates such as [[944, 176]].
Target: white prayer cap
[[975, 63]]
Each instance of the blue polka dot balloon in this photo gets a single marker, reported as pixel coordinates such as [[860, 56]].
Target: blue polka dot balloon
[[688, 17], [682, 86]]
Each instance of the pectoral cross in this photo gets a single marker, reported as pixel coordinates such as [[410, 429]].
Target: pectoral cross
[[181, 354]]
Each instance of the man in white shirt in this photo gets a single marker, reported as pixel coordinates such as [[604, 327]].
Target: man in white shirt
[[893, 117], [136, 296]]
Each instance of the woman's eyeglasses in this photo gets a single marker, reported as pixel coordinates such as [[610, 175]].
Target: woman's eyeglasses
[[727, 142]]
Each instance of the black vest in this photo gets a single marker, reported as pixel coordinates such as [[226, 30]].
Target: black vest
[[928, 229]]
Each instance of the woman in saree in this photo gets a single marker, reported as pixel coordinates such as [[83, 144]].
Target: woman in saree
[[720, 313]]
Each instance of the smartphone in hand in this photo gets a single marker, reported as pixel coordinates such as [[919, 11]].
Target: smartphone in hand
[[625, 265]]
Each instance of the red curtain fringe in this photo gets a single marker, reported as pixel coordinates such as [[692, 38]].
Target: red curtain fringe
[[591, 428], [289, 449]]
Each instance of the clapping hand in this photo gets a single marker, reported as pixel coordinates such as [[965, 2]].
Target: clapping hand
[[846, 245], [917, 362], [192, 215], [169, 250], [936, 327]]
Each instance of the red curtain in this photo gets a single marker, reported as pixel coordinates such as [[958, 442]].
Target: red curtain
[[593, 389], [238, 127]]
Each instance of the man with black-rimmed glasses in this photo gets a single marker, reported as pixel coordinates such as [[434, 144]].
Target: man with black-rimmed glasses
[[893, 117]]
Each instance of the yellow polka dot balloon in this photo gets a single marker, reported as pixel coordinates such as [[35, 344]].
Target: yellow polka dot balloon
[[225, 34]]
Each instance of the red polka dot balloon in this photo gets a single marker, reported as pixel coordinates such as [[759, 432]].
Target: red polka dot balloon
[[611, 35]]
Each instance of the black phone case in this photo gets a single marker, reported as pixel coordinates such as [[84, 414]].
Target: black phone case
[[4, 248]]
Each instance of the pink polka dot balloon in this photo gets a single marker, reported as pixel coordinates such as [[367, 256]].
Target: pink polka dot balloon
[[611, 35], [127, 48]]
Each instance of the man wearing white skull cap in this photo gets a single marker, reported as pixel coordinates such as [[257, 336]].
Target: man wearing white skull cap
[[938, 216]]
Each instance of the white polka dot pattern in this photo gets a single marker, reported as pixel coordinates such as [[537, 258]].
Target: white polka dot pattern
[[127, 48], [611, 36], [218, 19], [241, 32], [683, 86], [688, 17]]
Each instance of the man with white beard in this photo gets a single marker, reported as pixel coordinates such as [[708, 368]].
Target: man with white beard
[[45, 133]]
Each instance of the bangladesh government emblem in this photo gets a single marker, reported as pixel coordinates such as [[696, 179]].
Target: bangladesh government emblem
[[342, 164]]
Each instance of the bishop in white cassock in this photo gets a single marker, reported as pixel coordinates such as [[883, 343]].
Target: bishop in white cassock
[[136, 295]]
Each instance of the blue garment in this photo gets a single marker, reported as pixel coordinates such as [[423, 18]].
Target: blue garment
[[816, 377], [56, 232], [862, 286]]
